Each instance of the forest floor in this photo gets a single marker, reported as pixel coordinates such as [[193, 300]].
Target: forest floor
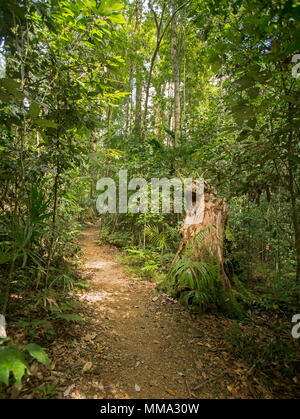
[[144, 345], [137, 343]]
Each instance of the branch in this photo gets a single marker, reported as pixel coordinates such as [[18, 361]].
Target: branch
[[154, 14], [171, 18]]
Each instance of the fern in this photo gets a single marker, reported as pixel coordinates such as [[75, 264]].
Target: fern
[[156, 238], [198, 277]]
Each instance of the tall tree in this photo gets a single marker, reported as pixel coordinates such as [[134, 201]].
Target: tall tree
[[176, 73]]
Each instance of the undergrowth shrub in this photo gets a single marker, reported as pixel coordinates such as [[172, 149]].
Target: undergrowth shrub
[[15, 359], [198, 286]]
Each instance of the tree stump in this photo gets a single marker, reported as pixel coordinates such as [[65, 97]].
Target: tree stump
[[209, 215]]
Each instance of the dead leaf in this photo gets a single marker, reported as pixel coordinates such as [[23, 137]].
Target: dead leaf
[[87, 367], [233, 391], [198, 364], [34, 368], [87, 337], [171, 392], [68, 390]]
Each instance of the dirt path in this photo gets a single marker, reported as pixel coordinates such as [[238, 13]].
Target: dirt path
[[138, 344]]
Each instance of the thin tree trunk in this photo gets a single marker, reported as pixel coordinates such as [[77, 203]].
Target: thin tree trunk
[[184, 75], [159, 37], [176, 74], [127, 115], [295, 219], [138, 79]]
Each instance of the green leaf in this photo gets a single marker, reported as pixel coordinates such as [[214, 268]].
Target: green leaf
[[34, 110], [110, 6], [69, 317], [10, 84], [38, 353], [5, 257], [253, 92], [117, 18], [12, 360], [291, 99], [46, 123]]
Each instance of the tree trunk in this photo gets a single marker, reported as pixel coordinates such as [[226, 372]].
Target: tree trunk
[[138, 79], [128, 99], [296, 223], [91, 211], [160, 33], [138, 101], [183, 122], [209, 215], [176, 74]]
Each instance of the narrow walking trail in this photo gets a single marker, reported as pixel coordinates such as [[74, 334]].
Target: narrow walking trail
[[139, 344]]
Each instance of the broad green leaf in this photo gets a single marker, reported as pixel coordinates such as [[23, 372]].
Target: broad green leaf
[[38, 353], [10, 84], [69, 317], [12, 360], [110, 6], [117, 19], [34, 110], [46, 123]]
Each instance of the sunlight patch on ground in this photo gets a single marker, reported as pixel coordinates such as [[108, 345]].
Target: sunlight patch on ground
[[99, 265]]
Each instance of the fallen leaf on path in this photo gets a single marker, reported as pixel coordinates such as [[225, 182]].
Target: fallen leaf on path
[[87, 367], [34, 368], [171, 392], [137, 388], [101, 349], [89, 336], [154, 298], [198, 364], [68, 390], [233, 391]]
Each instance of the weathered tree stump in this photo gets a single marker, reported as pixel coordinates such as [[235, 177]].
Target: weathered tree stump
[[209, 215]]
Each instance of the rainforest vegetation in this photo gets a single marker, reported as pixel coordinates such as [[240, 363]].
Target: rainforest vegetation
[[163, 89]]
